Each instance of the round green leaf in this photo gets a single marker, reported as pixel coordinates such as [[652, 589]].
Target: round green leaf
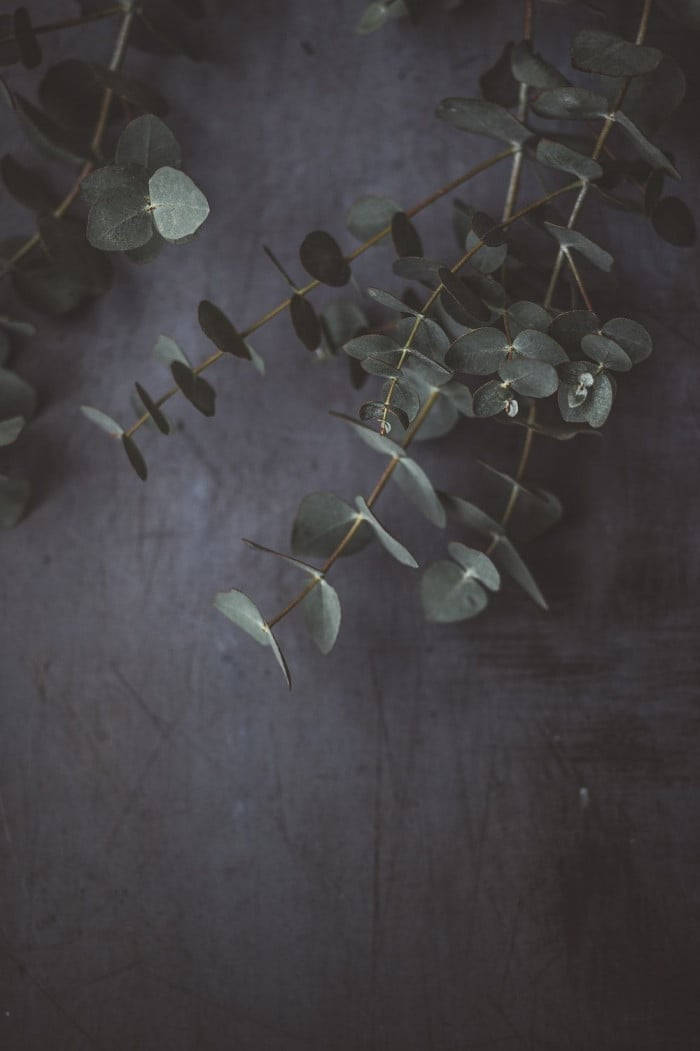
[[631, 336], [369, 215], [478, 353], [483, 118], [530, 377], [449, 593], [223, 334], [322, 615], [103, 182], [321, 522], [149, 142], [569, 239], [14, 495], [610, 55], [530, 68], [533, 344], [568, 329], [246, 615], [305, 321], [388, 542], [120, 220], [606, 352], [321, 257], [567, 103], [10, 429], [563, 158], [179, 207], [476, 563]]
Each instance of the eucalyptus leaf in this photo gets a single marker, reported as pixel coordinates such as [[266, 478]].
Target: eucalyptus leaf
[[372, 344], [417, 268], [340, 322], [246, 615], [606, 352], [27, 186], [167, 350], [153, 410], [477, 563], [392, 302], [103, 421], [569, 328], [405, 236], [563, 158], [370, 215], [179, 207], [28, 45], [472, 516], [450, 593], [498, 83], [46, 135], [530, 68], [480, 352], [321, 257], [195, 388], [631, 336], [112, 178], [569, 238], [305, 321], [417, 487], [66, 244], [509, 561], [403, 395], [610, 55], [567, 103], [14, 495], [651, 99], [483, 118], [596, 407], [9, 52], [490, 399], [486, 259], [147, 252], [148, 142], [322, 615], [17, 397], [321, 523], [10, 429], [534, 344], [382, 412], [530, 377], [135, 456], [655, 157], [379, 442], [526, 315], [463, 295], [222, 333], [388, 542], [120, 220]]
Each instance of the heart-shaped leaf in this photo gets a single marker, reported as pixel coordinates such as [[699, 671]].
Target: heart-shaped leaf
[[179, 207]]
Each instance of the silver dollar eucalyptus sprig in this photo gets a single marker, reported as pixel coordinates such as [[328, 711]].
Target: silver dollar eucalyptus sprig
[[491, 318]]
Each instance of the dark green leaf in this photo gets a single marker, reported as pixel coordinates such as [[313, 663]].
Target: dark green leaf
[[10, 429], [17, 397], [483, 118], [167, 350], [388, 542], [321, 257], [217, 327], [490, 399], [650, 100], [149, 142], [389, 300], [610, 55], [415, 484], [569, 239], [103, 182], [530, 377], [486, 260], [46, 135], [527, 315], [148, 252], [479, 352], [153, 410], [476, 563], [405, 236], [103, 421], [9, 52], [509, 561], [674, 222], [14, 494], [567, 103], [340, 322], [463, 295], [305, 321], [195, 388], [606, 352], [26, 185], [450, 593], [135, 458], [533, 344], [246, 615], [28, 45], [369, 215], [596, 407], [120, 220], [631, 336], [569, 328], [563, 158], [381, 413], [179, 207], [137, 93], [322, 615], [530, 68], [416, 268], [471, 515], [646, 149], [71, 95], [322, 521], [497, 83]]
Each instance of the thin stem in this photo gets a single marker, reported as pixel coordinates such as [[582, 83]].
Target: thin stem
[[415, 426], [281, 307], [115, 62], [597, 150], [522, 464], [69, 23], [579, 283]]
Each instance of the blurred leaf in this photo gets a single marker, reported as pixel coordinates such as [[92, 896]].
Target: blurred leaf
[[10, 429], [449, 593], [149, 142], [530, 68], [472, 516], [321, 257], [179, 207], [650, 100], [388, 542], [463, 295], [341, 321], [26, 185], [631, 336], [557, 155], [139, 94], [322, 615], [483, 118], [646, 149], [416, 268], [497, 83], [28, 45], [322, 521], [222, 333], [569, 239], [389, 300], [569, 328], [65, 242], [246, 615], [153, 410], [9, 52], [305, 321], [149, 251], [71, 96], [167, 350], [379, 442], [103, 421], [195, 388], [377, 13], [370, 215], [46, 135], [486, 259], [14, 494], [405, 236], [674, 222], [606, 352], [509, 561], [568, 103], [134, 456], [610, 55]]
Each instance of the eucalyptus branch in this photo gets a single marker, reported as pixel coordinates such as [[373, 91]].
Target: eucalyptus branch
[[420, 418], [597, 150], [115, 63], [306, 289]]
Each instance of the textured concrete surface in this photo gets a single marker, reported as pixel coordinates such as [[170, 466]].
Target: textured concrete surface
[[484, 835]]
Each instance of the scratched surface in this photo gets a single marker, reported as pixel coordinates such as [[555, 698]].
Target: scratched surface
[[455, 838]]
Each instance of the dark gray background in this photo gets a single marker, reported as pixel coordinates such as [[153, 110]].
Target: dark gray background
[[399, 854]]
